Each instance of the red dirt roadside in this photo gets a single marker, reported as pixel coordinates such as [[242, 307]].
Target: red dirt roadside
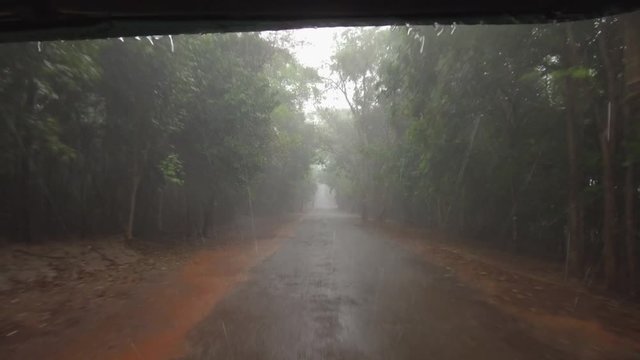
[[592, 324], [149, 318]]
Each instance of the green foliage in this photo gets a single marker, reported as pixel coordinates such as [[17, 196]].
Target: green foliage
[[183, 127], [172, 169], [466, 129], [574, 72]]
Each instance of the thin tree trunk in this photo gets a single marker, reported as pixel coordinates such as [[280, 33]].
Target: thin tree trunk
[[132, 206], [138, 161], [631, 23], [514, 218], [630, 227], [609, 215], [575, 220], [253, 220], [25, 161], [363, 205], [608, 145], [187, 213], [382, 214], [159, 218], [208, 213], [25, 193], [84, 209]]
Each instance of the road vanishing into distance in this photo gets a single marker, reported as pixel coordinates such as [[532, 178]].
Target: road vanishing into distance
[[339, 290]]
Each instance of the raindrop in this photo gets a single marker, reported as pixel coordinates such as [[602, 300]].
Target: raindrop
[[453, 28], [440, 30], [171, 41], [224, 328], [137, 38], [421, 44], [150, 40], [39, 46], [121, 39]]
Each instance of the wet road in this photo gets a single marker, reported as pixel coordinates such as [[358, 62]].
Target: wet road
[[338, 290]]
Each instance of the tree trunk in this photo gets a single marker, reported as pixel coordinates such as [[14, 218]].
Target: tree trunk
[[514, 218], [136, 177], [631, 57], [159, 215], [575, 252], [187, 213], [25, 161], [25, 192], [363, 206], [253, 220], [609, 214], [630, 227], [135, 184], [608, 137], [84, 209], [208, 214]]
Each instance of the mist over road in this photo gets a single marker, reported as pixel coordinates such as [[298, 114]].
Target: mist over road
[[324, 198]]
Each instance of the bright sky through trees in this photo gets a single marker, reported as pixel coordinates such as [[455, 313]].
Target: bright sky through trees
[[314, 50]]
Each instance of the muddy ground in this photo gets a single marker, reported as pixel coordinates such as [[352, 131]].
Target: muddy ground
[[110, 299]]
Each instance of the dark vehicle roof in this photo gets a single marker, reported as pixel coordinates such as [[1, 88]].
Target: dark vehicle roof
[[22, 20]]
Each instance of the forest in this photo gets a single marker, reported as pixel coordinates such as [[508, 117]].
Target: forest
[[521, 137], [151, 136]]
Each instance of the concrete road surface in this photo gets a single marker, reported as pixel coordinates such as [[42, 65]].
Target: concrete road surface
[[340, 290]]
